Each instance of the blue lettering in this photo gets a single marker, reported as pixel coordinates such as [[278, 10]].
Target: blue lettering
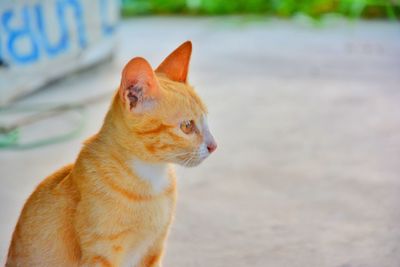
[[105, 26], [62, 44], [62, 5], [1, 49], [18, 34]]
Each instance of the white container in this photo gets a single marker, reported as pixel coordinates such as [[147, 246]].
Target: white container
[[43, 40]]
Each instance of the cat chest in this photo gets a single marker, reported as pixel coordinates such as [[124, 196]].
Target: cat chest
[[148, 228], [152, 215]]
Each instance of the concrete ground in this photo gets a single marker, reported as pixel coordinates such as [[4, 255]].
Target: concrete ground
[[307, 173]]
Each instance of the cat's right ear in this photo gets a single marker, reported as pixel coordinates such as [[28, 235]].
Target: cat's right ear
[[139, 88]]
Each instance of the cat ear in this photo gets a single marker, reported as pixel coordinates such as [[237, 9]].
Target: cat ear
[[139, 87], [176, 65]]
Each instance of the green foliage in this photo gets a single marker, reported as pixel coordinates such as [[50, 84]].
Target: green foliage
[[282, 8]]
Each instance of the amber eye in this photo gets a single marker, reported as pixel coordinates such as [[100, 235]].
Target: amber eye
[[187, 127]]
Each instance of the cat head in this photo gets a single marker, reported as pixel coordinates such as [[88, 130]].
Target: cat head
[[165, 118]]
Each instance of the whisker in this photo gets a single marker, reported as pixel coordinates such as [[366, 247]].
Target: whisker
[[185, 158]]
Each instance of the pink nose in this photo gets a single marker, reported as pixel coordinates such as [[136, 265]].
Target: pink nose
[[211, 147]]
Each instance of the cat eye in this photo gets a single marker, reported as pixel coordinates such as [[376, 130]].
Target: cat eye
[[187, 127]]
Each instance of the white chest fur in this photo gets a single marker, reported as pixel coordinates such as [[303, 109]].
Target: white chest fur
[[157, 175], [154, 173]]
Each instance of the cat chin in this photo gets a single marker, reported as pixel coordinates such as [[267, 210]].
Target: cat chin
[[190, 164]]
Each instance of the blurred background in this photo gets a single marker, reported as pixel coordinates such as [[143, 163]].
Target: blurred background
[[303, 98]]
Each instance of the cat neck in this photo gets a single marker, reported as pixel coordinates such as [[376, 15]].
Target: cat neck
[[123, 169], [116, 131], [156, 174]]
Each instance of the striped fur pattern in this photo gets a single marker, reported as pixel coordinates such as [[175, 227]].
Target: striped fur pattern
[[115, 204]]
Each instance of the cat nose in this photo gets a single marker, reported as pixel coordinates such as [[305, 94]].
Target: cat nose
[[211, 147]]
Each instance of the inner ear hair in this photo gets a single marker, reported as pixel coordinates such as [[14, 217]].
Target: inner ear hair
[[135, 94]]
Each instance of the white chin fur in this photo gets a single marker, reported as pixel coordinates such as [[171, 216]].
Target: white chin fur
[[192, 163]]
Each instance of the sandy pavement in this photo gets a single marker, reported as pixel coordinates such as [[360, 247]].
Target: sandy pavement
[[307, 173]]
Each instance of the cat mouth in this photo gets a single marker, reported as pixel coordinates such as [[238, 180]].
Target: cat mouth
[[191, 162], [192, 159]]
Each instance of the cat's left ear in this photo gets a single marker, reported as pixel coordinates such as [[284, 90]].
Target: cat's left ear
[[176, 65], [139, 88]]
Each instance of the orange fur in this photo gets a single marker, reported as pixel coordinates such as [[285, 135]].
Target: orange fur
[[111, 207]]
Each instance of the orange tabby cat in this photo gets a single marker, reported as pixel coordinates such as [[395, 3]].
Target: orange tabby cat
[[114, 206]]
